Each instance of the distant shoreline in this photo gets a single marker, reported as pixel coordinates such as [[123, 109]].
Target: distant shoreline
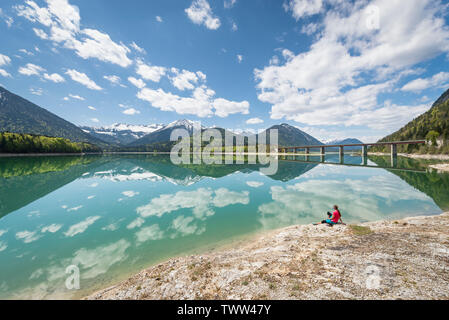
[[407, 155], [414, 155], [12, 155]]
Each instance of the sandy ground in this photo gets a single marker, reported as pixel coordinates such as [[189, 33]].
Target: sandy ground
[[403, 259], [442, 167]]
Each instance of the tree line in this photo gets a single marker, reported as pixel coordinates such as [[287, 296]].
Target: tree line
[[28, 143]]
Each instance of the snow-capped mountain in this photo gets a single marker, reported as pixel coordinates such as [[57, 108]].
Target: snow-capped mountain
[[188, 124], [163, 134], [120, 133]]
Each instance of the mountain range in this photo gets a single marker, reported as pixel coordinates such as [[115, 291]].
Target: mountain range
[[121, 134], [19, 115], [344, 141]]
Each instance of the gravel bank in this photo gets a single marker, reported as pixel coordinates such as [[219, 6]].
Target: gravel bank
[[402, 259]]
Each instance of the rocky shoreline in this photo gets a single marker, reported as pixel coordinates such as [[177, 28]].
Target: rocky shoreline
[[402, 259]]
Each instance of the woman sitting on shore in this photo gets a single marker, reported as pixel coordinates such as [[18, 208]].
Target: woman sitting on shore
[[334, 218]]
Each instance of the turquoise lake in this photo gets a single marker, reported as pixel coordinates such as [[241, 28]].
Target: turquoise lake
[[114, 215]]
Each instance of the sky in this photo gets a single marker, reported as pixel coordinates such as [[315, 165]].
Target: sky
[[335, 69]]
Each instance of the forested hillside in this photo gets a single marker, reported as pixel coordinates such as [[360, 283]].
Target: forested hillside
[[19, 115], [432, 126], [27, 143]]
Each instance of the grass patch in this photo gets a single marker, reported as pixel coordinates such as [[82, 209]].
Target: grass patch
[[360, 231]]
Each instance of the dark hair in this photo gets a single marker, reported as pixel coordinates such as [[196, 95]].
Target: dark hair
[[335, 207]]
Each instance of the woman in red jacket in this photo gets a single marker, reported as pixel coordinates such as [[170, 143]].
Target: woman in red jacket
[[334, 218]]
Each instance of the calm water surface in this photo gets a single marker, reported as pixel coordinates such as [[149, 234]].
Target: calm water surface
[[114, 215]]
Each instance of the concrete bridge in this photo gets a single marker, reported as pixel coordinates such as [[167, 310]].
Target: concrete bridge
[[364, 146]]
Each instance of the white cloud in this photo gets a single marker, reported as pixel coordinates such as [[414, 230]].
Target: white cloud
[[239, 58], [75, 208], [95, 120], [77, 97], [201, 201], [139, 83], [254, 121], [4, 60], [31, 70], [200, 12], [149, 233], [137, 48], [8, 20], [136, 223], [229, 3], [28, 236], [200, 103], [34, 70], [53, 228], [56, 78], [63, 23], [185, 79], [255, 184], [234, 26], [92, 108], [40, 33], [83, 79], [186, 226], [97, 261], [420, 84], [28, 53], [159, 19], [131, 112], [310, 28], [3, 246], [130, 194], [4, 73], [224, 108], [303, 8], [115, 80], [153, 73], [80, 227], [111, 227], [338, 80], [36, 91]]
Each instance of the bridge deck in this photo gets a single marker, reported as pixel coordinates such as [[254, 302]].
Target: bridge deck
[[356, 145]]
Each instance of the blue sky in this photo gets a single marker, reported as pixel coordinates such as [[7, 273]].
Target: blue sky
[[333, 68]]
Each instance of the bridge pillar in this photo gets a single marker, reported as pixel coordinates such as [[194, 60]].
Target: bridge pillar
[[323, 150], [394, 150], [342, 154], [365, 161], [365, 151], [307, 150], [394, 155]]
